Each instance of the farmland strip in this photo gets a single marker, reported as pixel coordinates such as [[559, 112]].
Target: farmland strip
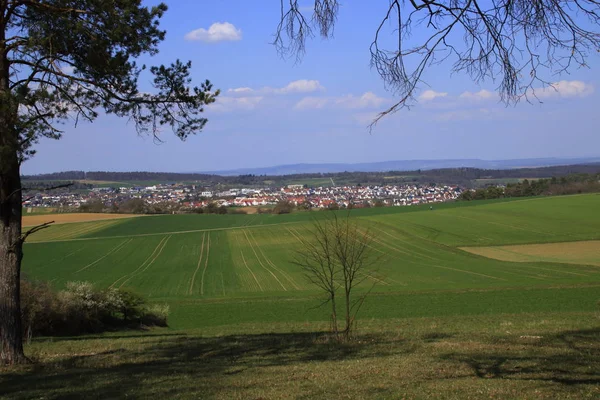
[[115, 249], [191, 289], [205, 265], [144, 263], [260, 262], [168, 233]]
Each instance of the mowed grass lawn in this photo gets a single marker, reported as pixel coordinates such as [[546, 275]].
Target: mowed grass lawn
[[439, 321]]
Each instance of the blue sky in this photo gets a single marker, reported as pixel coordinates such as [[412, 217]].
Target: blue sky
[[274, 111]]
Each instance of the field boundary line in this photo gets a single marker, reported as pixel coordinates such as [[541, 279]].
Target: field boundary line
[[260, 262], [205, 264], [142, 264], [113, 250], [191, 289]]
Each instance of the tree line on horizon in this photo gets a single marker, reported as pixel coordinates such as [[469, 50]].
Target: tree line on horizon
[[555, 186], [458, 176]]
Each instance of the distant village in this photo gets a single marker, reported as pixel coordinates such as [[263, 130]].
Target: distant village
[[187, 197]]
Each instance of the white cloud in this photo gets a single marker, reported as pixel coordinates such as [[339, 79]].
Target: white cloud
[[228, 104], [310, 102], [430, 95], [218, 32], [478, 96], [240, 90], [67, 69], [367, 100], [564, 89], [301, 86]]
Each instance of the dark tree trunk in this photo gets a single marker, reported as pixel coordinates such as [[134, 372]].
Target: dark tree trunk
[[11, 244], [11, 350]]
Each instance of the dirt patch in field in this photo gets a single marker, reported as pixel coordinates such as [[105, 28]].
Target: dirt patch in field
[[584, 252], [32, 220]]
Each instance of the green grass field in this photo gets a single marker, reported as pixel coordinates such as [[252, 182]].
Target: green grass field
[[219, 269], [440, 322]]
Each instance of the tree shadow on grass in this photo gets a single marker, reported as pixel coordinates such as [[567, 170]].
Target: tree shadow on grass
[[181, 365], [569, 358], [106, 336]]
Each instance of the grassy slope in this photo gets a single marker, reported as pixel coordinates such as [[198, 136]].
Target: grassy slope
[[447, 324], [531, 356]]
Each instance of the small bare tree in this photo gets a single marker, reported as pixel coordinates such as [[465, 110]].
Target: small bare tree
[[521, 43], [337, 257]]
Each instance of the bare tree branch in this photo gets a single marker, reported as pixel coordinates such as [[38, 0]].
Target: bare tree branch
[[518, 44]]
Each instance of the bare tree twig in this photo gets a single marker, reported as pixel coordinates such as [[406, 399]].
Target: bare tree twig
[[520, 45]]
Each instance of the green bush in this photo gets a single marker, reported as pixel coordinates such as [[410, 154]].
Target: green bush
[[81, 308]]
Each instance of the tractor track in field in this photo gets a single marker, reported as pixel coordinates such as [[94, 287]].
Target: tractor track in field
[[268, 260], [403, 240], [144, 266], [191, 289], [260, 262], [467, 272], [113, 250], [205, 264], [64, 257], [377, 280], [294, 234], [246, 265], [434, 259], [504, 271]]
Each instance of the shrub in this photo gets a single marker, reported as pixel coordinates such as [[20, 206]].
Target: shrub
[[283, 207], [81, 308]]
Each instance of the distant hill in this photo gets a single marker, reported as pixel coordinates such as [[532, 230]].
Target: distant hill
[[406, 165], [498, 172]]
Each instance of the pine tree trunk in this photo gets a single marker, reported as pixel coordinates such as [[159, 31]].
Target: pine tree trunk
[[11, 350], [11, 245]]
